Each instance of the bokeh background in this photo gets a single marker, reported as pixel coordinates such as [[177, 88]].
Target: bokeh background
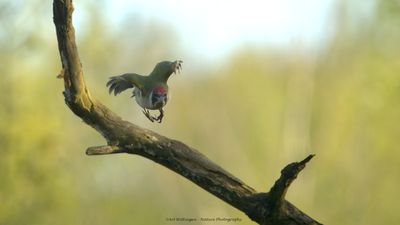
[[263, 84]]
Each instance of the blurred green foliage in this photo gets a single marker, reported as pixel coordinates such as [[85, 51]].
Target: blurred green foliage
[[252, 113]]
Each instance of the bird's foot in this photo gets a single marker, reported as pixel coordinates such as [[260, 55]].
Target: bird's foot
[[160, 117], [146, 112]]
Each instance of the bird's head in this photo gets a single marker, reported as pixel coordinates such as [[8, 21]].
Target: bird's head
[[159, 96], [163, 70]]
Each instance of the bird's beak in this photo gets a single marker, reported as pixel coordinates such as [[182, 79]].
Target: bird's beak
[[177, 66]]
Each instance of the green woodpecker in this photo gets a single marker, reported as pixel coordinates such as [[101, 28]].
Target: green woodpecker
[[150, 92]]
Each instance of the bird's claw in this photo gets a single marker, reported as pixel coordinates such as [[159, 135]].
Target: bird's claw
[[159, 118], [146, 112], [178, 66]]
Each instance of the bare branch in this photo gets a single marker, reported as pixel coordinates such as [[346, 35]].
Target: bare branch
[[104, 150], [288, 174], [125, 137]]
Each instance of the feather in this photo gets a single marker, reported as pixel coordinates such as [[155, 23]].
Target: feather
[[118, 84]]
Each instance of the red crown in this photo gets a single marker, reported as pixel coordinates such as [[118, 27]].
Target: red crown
[[159, 90]]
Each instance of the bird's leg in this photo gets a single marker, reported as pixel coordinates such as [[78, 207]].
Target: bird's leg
[[159, 118], [146, 112]]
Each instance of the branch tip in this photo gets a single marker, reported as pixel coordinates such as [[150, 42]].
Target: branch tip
[[104, 150], [306, 160], [288, 175]]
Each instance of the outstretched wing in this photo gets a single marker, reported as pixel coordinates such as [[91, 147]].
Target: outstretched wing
[[118, 84]]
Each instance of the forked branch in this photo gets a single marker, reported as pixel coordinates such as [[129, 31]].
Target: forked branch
[[125, 137]]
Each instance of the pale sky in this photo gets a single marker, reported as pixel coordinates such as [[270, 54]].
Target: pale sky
[[218, 26]]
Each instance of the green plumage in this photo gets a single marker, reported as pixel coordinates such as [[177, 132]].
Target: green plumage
[[147, 90]]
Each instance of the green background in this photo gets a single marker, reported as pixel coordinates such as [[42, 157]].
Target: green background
[[252, 112]]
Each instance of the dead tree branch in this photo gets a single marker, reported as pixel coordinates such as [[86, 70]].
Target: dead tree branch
[[125, 137]]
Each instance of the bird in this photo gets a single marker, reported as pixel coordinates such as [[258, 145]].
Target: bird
[[151, 92]]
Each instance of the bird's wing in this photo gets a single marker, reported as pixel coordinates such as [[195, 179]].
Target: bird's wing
[[118, 84]]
